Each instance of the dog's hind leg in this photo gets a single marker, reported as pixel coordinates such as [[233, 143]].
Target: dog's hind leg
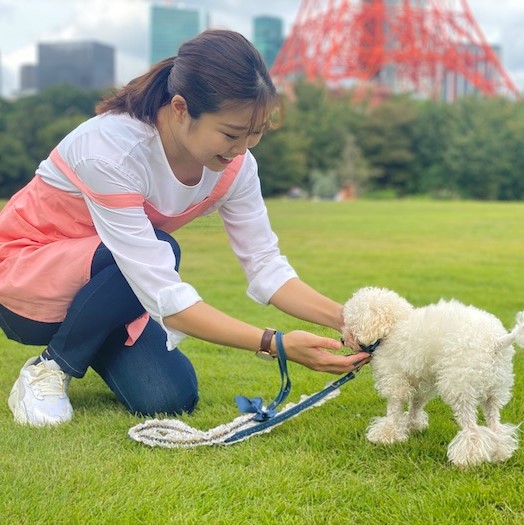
[[506, 433], [473, 444]]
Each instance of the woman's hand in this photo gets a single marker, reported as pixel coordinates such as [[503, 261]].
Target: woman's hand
[[312, 351]]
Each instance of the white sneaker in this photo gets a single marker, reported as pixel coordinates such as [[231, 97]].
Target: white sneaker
[[39, 395]]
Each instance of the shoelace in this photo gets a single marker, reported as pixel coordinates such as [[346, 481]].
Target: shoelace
[[48, 382]]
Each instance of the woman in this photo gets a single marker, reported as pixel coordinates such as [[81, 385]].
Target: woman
[[86, 265]]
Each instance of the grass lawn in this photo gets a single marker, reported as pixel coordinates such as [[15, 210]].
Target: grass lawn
[[317, 468]]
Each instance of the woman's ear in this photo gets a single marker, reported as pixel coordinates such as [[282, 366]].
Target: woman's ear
[[179, 107]]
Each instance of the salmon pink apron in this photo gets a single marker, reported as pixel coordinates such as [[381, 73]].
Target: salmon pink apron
[[47, 241]]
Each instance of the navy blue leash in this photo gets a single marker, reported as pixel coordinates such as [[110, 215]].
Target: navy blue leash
[[254, 405], [269, 417], [175, 433]]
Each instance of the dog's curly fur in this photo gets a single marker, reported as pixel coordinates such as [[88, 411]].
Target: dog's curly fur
[[461, 353]]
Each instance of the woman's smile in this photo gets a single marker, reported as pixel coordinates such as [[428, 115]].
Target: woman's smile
[[225, 160]]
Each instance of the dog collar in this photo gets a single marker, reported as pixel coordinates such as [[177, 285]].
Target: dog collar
[[370, 348]]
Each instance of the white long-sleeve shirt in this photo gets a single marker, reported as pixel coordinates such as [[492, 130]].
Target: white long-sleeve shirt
[[119, 155]]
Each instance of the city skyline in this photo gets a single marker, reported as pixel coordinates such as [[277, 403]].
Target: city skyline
[[124, 24]]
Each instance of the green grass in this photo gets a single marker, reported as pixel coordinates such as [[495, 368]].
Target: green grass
[[317, 468]]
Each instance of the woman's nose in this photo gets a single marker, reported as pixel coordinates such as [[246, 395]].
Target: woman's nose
[[240, 147]]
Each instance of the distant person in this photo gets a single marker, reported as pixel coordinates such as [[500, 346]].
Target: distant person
[[88, 269]]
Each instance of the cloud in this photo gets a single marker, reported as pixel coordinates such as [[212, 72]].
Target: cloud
[[11, 67], [120, 23]]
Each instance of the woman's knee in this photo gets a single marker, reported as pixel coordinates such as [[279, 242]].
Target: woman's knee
[[168, 403], [148, 380], [172, 392], [146, 377]]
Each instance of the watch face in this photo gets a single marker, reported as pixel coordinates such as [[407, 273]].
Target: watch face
[[266, 356]]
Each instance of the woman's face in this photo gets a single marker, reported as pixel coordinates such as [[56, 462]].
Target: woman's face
[[215, 139]]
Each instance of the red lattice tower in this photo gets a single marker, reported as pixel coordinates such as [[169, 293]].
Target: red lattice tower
[[433, 48]]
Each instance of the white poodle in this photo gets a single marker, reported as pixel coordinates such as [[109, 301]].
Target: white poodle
[[458, 352]]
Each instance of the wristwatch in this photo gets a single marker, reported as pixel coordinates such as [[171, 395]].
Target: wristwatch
[[264, 352]]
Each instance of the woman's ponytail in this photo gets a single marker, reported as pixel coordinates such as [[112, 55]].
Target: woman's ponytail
[[143, 96]]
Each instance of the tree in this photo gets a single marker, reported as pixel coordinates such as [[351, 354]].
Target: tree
[[384, 137], [69, 100], [431, 135], [27, 117], [473, 148], [323, 119], [477, 156], [353, 170], [324, 185], [33, 125], [512, 186], [282, 161], [49, 136], [14, 165]]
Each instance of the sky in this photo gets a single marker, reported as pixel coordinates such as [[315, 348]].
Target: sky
[[124, 25]]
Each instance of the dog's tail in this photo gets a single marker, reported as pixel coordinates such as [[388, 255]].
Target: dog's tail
[[515, 336]]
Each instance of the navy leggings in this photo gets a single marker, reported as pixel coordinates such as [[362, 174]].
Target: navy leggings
[[146, 377]]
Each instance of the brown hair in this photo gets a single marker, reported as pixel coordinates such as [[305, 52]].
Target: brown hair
[[218, 69]]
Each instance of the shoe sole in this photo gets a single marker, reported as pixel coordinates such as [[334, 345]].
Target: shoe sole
[[14, 405]]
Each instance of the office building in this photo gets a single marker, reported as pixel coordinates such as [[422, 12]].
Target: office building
[[87, 65], [268, 37], [28, 79], [170, 27]]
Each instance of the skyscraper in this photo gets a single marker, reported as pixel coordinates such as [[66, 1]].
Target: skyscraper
[[87, 65], [268, 37], [171, 26], [28, 79]]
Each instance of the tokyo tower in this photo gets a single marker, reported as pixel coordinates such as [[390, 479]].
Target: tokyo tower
[[432, 48]]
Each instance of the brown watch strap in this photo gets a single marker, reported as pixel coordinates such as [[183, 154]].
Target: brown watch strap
[[265, 343]]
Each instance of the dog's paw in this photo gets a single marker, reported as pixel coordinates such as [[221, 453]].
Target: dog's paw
[[507, 435], [471, 447], [387, 430]]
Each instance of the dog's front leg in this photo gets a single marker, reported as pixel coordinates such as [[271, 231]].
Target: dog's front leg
[[391, 428], [417, 417]]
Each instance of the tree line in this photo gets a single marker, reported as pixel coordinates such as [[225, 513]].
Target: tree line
[[325, 141]]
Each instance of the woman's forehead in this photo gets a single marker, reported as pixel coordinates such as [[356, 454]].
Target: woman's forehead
[[242, 118]]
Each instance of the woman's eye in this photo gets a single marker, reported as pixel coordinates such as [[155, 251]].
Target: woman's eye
[[231, 137]]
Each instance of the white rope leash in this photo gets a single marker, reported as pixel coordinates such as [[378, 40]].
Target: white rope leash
[[173, 433]]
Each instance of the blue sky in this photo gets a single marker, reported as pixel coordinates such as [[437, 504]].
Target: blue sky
[[124, 24]]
